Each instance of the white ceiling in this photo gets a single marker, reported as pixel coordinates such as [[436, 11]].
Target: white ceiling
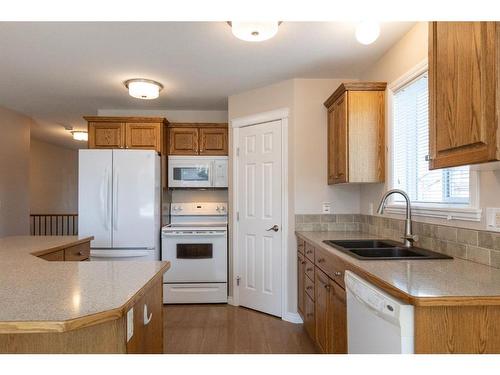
[[58, 72]]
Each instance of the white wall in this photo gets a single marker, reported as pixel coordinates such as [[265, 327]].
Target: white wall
[[14, 173], [53, 178]]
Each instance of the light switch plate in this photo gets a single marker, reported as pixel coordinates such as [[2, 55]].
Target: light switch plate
[[493, 219], [130, 324]]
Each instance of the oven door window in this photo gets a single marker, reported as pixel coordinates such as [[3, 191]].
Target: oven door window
[[194, 251], [191, 174]]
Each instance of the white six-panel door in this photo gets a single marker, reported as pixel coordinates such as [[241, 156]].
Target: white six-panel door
[[259, 208]]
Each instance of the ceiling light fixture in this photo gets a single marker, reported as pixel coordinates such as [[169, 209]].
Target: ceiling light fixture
[[141, 88], [80, 135], [254, 31], [367, 32]]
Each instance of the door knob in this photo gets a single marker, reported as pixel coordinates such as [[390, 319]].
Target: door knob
[[274, 227]]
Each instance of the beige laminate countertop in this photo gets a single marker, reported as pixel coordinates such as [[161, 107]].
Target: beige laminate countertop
[[423, 282], [37, 295]]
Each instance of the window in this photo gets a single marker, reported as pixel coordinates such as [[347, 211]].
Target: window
[[411, 146]]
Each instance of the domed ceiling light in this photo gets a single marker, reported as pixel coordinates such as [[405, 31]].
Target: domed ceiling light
[[254, 31], [141, 88], [367, 32], [80, 135]]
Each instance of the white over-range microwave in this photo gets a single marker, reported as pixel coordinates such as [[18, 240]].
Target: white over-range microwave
[[197, 171]]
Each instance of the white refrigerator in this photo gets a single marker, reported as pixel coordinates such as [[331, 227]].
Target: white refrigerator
[[119, 203]]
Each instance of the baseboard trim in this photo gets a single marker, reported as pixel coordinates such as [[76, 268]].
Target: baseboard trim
[[230, 301], [292, 318]]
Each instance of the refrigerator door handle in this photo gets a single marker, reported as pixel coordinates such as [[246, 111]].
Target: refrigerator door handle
[[108, 198], [115, 201], [102, 197]]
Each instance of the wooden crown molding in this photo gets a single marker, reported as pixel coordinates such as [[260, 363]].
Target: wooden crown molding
[[125, 119], [354, 86]]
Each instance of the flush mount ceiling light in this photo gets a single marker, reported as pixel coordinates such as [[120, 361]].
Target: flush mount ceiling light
[[141, 88], [254, 31], [367, 32], [80, 135]]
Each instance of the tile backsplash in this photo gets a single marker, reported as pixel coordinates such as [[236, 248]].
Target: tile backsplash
[[474, 245]]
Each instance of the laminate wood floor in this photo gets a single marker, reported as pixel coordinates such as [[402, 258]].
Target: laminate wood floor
[[226, 329]]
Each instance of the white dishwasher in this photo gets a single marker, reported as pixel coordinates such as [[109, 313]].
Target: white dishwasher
[[376, 322]]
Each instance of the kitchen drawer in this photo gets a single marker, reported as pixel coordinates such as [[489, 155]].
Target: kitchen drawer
[[300, 246], [309, 287], [54, 257], [77, 253], [309, 269], [333, 266], [309, 321], [309, 251]]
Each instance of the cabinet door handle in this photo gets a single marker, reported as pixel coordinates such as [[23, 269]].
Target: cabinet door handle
[[327, 287], [147, 318], [303, 262], [309, 269], [80, 253]]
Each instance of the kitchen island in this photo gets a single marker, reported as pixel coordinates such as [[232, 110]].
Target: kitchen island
[[50, 302], [456, 302]]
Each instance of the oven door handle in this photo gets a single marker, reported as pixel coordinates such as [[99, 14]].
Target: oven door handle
[[215, 234]]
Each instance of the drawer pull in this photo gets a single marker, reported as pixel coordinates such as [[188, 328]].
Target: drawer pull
[[321, 260], [80, 253], [338, 273], [309, 287], [303, 262], [327, 287], [147, 318], [309, 269]]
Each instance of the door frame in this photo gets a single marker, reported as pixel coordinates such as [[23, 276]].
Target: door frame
[[281, 115]]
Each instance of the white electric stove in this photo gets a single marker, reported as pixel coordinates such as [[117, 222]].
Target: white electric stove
[[195, 243]]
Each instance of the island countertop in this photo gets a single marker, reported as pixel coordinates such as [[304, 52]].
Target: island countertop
[[420, 282], [41, 296]]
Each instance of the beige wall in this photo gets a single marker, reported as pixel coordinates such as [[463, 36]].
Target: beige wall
[[14, 173], [310, 151], [307, 152], [53, 178], [401, 58]]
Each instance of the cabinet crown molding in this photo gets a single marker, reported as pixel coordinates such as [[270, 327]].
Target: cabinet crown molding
[[354, 86], [125, 119]]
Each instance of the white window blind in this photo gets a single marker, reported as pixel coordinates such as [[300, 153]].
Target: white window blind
[[411, 145]]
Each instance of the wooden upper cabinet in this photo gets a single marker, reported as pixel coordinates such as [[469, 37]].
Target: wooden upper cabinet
[[143, 136], [213, 141], [183, 141], [145, 133], [356, 133], [198, 139], [106, 135], [464, 85]]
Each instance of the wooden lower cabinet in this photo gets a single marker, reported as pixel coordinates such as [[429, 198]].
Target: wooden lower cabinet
[[331, 315], [321, 303], [148, 323], [76, 253], [309, 317], [300, 283]]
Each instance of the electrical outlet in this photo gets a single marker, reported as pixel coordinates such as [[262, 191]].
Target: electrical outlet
[[493, 219], [326, 208], [130, 324]]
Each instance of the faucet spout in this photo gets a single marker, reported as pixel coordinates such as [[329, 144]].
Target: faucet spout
[[408, 237]]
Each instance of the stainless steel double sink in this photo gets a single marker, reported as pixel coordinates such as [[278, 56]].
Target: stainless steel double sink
[[382, 250]]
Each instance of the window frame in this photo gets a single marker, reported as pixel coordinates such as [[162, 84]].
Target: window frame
[[450, 211]]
